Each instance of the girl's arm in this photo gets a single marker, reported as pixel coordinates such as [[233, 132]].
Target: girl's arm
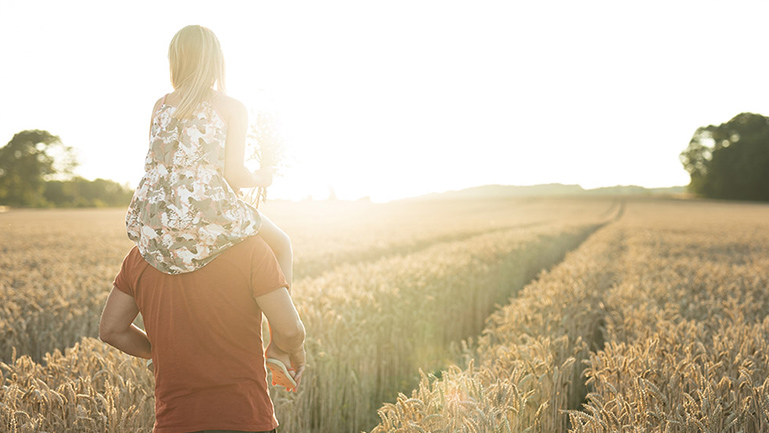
[[236, 173], [238, 176]]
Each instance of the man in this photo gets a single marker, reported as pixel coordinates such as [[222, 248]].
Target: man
[[203, 334]]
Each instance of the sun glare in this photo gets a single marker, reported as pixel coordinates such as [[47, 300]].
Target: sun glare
[[461, 99]]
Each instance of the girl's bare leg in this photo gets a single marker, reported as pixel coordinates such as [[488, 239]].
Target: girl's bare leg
[[280, 244]]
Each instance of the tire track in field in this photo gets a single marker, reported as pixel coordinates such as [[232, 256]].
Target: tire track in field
[[551, 326], [316, 266]]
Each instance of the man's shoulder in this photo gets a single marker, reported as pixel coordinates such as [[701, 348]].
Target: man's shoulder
[[250, 246], [134, 253], [135, 259], [133, 265], [252, 255]]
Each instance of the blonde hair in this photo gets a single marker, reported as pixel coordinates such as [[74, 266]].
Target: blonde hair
[[197, 66]]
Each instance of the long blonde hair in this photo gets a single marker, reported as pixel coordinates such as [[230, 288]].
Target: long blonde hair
[[197, 66]]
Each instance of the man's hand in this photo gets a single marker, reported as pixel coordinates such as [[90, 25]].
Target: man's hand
[[287, 330], [298, 363], [295, 362]]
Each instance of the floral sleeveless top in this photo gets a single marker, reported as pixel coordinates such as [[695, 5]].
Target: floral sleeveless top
[[184, 213]]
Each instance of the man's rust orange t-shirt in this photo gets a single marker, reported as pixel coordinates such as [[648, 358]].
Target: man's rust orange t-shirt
[[206, 333]]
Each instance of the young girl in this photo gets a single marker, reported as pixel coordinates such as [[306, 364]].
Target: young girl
[[186, 209]]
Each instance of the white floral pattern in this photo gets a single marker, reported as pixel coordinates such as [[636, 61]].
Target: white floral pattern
[[184, 213]]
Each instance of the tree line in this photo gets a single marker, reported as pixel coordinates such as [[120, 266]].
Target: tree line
[[727, 161], [36, 171], [731, 160]]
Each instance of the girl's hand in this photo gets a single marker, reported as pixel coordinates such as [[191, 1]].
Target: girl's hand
[[265, 176]]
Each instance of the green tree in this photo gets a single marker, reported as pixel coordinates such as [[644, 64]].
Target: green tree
[[731, 160], [30, 159], [79, 192]]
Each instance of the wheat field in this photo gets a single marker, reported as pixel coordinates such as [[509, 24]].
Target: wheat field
[[403, 283], [657, 323], [548, 315]]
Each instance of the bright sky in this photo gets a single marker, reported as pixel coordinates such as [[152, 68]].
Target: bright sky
[[401, 98]]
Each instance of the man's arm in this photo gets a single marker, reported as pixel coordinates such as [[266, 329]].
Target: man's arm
[[117, 329], [287, 328]]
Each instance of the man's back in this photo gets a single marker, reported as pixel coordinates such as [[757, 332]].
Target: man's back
[[205, 331]]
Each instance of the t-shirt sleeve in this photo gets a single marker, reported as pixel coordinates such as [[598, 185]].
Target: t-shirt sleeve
[[266, 275], [123, 280]]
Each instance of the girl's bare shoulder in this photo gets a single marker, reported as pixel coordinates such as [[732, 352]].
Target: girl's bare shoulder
[[228, 106], [158, 103]]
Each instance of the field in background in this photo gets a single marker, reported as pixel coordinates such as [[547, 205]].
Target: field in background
[[58, 265], [402, 284], [658, 323]]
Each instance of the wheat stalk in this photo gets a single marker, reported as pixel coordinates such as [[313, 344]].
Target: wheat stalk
[[266, 147]]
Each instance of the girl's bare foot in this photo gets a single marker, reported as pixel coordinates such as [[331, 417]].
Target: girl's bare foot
[[279, 364]]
